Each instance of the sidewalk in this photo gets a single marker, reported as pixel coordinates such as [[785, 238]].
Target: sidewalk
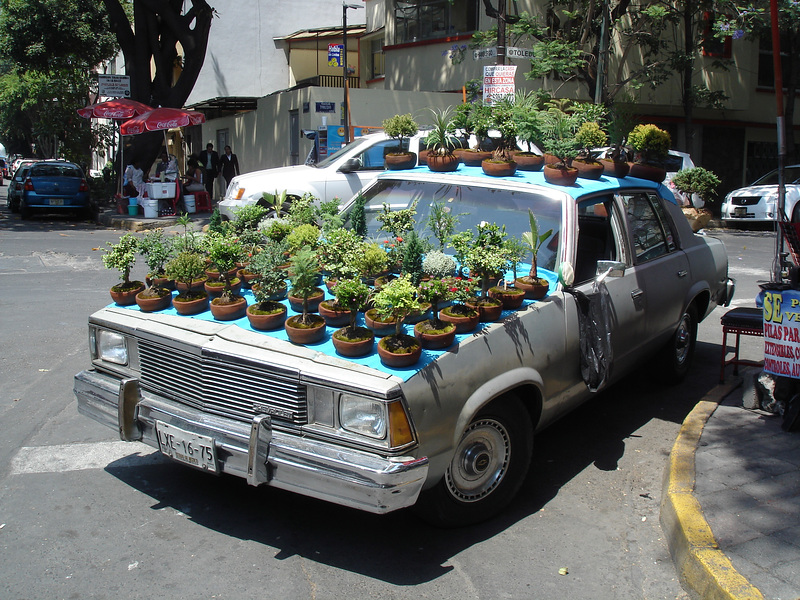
[[109, 217], [731, 499]]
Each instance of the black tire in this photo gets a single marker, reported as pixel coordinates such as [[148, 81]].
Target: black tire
[[675, 358], [489, 465], [796, 213], [24, 212]]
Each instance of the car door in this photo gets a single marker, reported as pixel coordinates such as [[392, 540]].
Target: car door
[[346, 185]]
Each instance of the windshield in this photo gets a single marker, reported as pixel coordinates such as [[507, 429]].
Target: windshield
[[336, 153], [471, 205], [771, 178]]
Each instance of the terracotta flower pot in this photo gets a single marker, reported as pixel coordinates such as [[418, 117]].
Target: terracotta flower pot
[[418, 315], [560, 176], [474, 158], [126, 296], [190, 305], [615, 168], [160, 281], [534, 290], [300, 334], [296, 302], [352, 348], [528, 161], [215, 288], [153, 303], [588, 170], [489, 309], [464, 322], [228, 311], [442, 163], [377, 325], [650, 172], [277, 296], [400, 160], [246, 277], [511, 297], [433, 339], [499, 168], [265, 321], [334, 315], [390, 357], [197, 285]]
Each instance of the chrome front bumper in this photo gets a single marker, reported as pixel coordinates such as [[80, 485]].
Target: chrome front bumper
[[257, 452]]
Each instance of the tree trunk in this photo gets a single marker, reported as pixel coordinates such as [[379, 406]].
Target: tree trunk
[[687, 93]]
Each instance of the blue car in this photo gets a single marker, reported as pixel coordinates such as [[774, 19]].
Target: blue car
[[55, 186]]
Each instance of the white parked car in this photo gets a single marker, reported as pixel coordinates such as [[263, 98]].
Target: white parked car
[[340, 175], [759, 202]]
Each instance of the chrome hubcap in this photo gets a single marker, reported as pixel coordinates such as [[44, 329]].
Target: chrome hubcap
[[480, 462]]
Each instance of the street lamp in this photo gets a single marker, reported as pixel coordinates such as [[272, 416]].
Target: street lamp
[[345, 6]]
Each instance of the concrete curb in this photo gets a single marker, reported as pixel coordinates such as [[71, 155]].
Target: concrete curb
[[109, 219], [704, 570]]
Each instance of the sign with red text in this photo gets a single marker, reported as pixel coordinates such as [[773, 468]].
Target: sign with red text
[[782, 333], [498, 82]]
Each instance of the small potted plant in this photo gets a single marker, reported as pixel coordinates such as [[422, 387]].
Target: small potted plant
[[400, 128], [511, 296], [186, 268], [224, 252], [529, 130], [487, 259], [372, 262], [434, 333], [502, 163], [156, 250], [478, 123], [462, 316], [559, 141], [701, 182], [442, 222], [307, 327], [535, 287], [352, 340], [270, 286], [588, 137], [338, 254], [441, 142], [396, 300], [397, 223], [651, 146], [122, 256]]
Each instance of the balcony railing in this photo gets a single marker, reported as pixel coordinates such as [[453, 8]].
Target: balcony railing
[[333, 81]]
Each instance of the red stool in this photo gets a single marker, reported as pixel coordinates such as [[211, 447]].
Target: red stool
[[202, 201], [739, 321]]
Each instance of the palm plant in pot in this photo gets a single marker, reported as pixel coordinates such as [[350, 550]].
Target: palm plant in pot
[[702, 182], [185, 268], [122, 256], [268, 312], [535, 287], [156, 250], [307, 327], [224, 252], [502, 163], [651, 145], [400, 128], [559, 141], [352, 340], [588, 137], [487, 258], [396, 300], [441, 142]]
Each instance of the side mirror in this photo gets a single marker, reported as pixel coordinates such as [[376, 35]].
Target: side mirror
[[610, 268], [350, 165]]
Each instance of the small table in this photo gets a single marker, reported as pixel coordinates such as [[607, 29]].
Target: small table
[[740, 321]]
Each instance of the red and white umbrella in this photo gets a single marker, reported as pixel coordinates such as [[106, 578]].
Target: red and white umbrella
[[118, 109], [161, 119]]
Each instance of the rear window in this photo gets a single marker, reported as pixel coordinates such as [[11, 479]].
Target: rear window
[[55, 171]]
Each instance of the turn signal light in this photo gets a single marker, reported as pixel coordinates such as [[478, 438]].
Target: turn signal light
[[399, 427]]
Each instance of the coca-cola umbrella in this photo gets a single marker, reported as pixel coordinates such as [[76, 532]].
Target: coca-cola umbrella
[[161, 119]]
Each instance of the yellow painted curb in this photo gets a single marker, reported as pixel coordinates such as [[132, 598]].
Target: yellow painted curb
[[703, 568]]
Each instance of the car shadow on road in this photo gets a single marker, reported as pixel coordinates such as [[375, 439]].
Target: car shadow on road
[[399, 548]]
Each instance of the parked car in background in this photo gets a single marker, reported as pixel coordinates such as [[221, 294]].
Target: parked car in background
[[16, 183], [340, 175], [758, 202], [3, 169], [54, 186]]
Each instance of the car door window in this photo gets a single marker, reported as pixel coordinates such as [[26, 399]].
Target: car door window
[[651, 234], [372, 157]]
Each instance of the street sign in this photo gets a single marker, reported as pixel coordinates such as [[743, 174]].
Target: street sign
[[498, 81], [511, 52], [335, 52], [114, 86]]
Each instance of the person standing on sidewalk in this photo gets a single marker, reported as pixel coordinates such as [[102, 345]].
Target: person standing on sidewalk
[[230, 166], [209, 160]]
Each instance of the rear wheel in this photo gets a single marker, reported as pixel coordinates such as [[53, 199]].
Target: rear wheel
[[24, 210], [796, 213], [487, 469]]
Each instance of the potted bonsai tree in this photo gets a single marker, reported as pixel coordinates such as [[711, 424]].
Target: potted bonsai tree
[[122, 256], [338, 254], [487, 258], [396, 300], [651, 145], [462, 316], [307, 327], [559, 141], [511, 296], [441, 142], [434, 333], [372, 262], [400, 128], [501, 163], [156, 249], [442, 222], [397, 223], [224, 252], [352, 340], [186, 268], [535, 287], [588, 137], [270, 286], [529, 130], [478, 123], [702, 182]]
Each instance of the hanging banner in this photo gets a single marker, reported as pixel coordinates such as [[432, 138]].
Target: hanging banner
[[782, 333], [335, 55], [498, 82]]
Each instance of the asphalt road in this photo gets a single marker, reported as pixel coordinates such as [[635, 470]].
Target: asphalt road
[[83, 515]]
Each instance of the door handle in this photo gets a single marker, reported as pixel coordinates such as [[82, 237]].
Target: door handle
[[683, 273], [636, 294]]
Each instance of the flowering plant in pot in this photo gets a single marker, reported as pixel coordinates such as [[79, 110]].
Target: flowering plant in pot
[[306, 327], [224, 252], [441, 141], [122, 256], [487, 258], [651, 145], [352, 340], [588, 136], [185, 268], [396, 300], [465, 318], [535, 287], [400, 128], [397, 223], [270, 285]]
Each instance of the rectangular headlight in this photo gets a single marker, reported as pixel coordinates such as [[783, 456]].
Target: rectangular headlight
[[363, 416], [111, 347]]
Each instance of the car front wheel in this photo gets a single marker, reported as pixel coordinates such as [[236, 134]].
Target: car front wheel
[[488, 467], [676, 356]]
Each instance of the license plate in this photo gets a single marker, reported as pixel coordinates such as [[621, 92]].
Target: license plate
[[56, 202], [740, 211], [187, 447]]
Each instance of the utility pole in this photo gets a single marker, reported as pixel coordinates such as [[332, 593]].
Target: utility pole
[[501, 32], [346, 110]]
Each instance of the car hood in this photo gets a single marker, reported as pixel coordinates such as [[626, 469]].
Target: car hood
[[755, 190]]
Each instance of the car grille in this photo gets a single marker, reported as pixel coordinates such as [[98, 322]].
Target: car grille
[[745, 200], [222, 386]]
